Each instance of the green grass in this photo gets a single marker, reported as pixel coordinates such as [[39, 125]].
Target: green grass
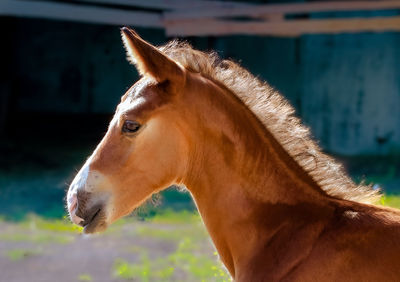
[[39, 237], [175, 233], [391, 201], [125, 270], [185, 231], [169, 216], [157, 233], [19, 254], [85, 277], [36, 229], [55, 225], [185, 261]]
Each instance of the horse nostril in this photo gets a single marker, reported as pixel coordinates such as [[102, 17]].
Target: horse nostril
[[83, 208], [86, 209], [73, 207]]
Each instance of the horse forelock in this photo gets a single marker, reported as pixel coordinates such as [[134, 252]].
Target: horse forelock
[[277, 115]]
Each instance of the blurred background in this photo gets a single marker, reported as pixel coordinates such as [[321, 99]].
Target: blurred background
[[64, 71]]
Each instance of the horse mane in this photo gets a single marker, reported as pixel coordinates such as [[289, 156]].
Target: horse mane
[[277, 115]]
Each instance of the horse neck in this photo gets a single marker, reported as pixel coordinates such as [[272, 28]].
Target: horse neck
[[238, 173]]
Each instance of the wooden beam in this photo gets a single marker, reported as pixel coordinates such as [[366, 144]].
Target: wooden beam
[[79, 13], [294, 8], [173, 4], [273, 17], [290, 28], [275, 24]]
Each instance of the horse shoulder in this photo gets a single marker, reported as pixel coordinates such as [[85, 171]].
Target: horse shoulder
[[360, 243]]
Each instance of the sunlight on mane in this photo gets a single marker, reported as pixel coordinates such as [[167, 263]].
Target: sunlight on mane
[[277, 115]]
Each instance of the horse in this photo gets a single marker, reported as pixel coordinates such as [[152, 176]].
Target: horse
[[276, 207]]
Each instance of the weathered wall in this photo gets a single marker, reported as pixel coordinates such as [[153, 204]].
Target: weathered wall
[[351, 91], [345, 87]]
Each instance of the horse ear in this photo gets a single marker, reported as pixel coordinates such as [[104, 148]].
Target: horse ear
[[148, 59]]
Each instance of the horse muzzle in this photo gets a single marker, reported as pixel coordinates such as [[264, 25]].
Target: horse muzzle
[[91, 216], [86, 202]]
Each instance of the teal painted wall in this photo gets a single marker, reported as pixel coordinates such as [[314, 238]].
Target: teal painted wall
[[351, 91]]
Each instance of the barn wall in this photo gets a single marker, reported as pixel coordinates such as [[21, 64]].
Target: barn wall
[[345, 87], [351, 91]]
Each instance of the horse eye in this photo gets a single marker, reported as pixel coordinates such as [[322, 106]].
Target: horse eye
[[130, 126]]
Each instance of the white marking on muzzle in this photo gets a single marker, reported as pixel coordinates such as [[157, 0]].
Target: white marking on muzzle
[[79, 182], [90, 181]]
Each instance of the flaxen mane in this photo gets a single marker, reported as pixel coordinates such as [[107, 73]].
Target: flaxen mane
[[277, 116]]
